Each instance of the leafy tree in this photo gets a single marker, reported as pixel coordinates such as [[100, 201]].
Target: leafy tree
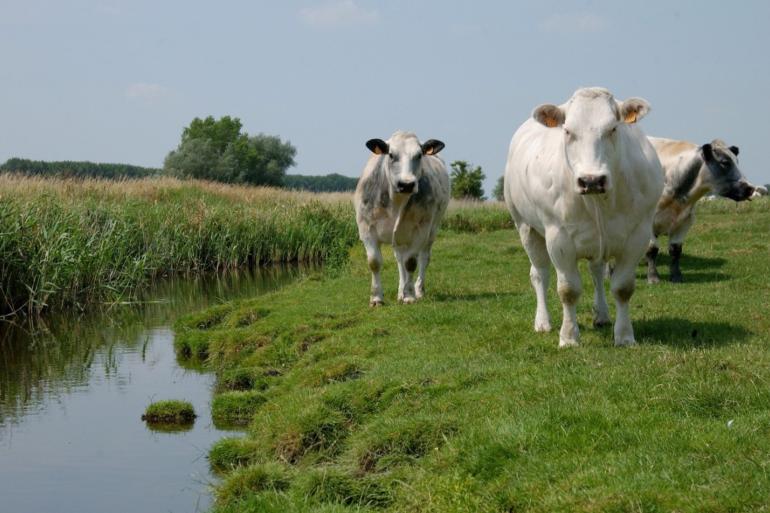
[[195, 158], [498, 191], [466, 182], [217, 150]]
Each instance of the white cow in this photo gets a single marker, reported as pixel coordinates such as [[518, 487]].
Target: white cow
[[582, 181], [400, 199], [691, 172]]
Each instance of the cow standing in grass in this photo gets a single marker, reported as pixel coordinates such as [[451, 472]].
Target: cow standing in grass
[[691, 172], [400, 200], [582, 181]]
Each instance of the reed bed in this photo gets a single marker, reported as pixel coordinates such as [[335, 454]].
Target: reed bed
[[70, 243]]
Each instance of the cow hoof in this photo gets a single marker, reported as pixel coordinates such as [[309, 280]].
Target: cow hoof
[[408, 300], [652, 280], [376, 302], [676, 278], [567, 342], [419, 294], [601, 322], [542, 326], [625, 342]]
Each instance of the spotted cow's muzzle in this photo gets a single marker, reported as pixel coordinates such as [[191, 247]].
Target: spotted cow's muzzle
[[740, 192]]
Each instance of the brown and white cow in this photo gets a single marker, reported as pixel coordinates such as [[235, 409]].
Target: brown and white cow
[[400, 199], [582, 181], [691, 172]]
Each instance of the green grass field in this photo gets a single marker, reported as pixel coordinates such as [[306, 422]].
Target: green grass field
[[454, 404]]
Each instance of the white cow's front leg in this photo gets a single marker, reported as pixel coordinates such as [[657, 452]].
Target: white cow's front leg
[[539, 273], [562, 253], [407, 263], [601, 310], [374, 259], [623, 282], [423, 259]]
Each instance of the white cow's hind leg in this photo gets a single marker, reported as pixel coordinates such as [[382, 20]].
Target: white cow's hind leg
[[652, 256], [539, 273], [374, 259], [423, 259], [407, 263], [601, 310]]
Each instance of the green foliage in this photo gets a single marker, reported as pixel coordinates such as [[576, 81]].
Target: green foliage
[[76, 169], [466, 181], [72, 246], [326, 183], [454, 404], [497, 193], [169, 412], [217, 150]]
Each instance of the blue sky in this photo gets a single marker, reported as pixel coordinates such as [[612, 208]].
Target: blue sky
[[116, 81]]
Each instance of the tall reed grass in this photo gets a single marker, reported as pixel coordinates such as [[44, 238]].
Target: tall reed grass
[[68, 243]]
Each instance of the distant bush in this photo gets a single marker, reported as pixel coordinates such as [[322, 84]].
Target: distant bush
[[76, 169], [217, 150], [333, 182]]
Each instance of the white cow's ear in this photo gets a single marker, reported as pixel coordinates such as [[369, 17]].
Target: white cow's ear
[[549, 115], [377, 146], [633, 109], [432, 146]]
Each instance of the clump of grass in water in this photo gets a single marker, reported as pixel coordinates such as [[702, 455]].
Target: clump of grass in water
[[169, 412]]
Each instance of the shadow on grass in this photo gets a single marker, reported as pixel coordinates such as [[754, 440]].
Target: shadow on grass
[[684, 333], [690, 264], [472, 296]]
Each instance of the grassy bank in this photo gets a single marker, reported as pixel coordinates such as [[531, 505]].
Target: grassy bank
[[455, 405], [71, 243]]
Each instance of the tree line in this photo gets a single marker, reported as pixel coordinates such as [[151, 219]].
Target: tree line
[[220, 150]]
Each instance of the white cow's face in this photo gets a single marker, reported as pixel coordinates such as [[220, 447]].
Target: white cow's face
[[402, 159], [591, 122]]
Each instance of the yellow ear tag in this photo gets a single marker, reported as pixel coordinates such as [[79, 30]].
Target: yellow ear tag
[[630, 117], [550, 122]]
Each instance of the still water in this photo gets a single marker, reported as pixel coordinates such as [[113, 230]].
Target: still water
[[72, 394]]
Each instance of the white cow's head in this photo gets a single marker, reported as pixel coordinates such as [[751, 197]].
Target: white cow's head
[[591, 123], [402, 159]]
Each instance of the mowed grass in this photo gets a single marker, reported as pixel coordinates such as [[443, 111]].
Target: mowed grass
[[454, 404]]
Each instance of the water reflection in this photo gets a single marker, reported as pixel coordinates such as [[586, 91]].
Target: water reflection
[[72, 392]]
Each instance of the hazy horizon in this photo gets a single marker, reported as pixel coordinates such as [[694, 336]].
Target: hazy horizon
[[115, 81]]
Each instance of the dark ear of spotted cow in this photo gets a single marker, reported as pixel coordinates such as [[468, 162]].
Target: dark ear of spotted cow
[[735, 150], [708, 152], [377, 146], [432, 146]]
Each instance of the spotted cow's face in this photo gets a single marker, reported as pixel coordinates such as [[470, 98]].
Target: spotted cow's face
[[402, 159], [722, 172]]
